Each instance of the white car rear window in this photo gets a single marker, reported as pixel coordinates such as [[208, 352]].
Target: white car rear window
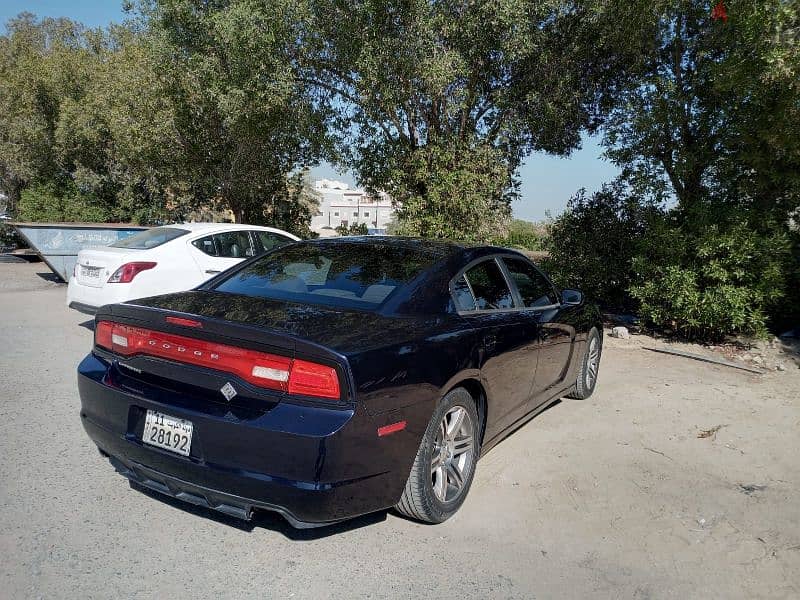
[[150, 238]]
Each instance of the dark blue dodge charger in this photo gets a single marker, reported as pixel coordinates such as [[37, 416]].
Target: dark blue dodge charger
[[332, 378]]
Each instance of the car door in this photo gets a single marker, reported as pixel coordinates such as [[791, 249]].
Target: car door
[[508, 340], [555, 337], [217, 252]]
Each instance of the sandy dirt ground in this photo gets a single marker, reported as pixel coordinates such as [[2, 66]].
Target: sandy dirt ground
[[613, 497]]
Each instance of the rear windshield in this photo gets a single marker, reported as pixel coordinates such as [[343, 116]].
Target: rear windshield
[[150, 238], [357, 275]]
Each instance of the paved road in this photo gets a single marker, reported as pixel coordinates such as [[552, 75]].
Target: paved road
[[614, 497]]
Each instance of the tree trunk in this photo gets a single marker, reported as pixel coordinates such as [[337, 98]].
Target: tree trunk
[[14, 195]]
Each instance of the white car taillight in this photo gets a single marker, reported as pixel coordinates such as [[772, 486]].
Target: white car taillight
[[128, 271]]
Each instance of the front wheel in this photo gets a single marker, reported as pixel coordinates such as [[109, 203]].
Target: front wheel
[[445, 462], [589, 367]]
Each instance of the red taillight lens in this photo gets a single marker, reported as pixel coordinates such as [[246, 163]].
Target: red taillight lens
[[102, 335], [259, 368], [312, 379], [128, 271]]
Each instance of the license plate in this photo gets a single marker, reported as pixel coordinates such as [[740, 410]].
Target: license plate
[[91, 272], [169, 433]]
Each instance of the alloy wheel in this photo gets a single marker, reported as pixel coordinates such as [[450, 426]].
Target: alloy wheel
[[592, 362], [453, 454]]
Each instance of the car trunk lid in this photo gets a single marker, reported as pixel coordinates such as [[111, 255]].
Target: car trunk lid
[[95, 265], [196, 323], [344, 331]]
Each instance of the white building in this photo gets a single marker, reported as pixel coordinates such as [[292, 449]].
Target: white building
[[339, 205]]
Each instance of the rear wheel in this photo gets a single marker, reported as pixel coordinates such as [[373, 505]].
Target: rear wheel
[[589, 367], [445, 462]]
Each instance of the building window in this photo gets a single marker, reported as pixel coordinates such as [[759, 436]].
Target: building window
[[355, 213], [366, 213], [336, 214]]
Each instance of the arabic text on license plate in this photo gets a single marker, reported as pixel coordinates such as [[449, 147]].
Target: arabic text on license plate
[[93, 272], [167, 432]]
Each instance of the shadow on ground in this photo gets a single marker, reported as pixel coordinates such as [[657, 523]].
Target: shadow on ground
[[50, 277]]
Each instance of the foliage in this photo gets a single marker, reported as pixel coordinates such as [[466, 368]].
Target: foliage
[[592, 245], [242, 117], [182, 109], [724, 282], [353, 229], [439, 101], [448, 191], [48, 202], [81, 121], [713, 114], [524, 235], [709, 125], [9, 239], [42, 65]]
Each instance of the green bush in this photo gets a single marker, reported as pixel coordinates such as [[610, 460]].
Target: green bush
[[524, 235], [48, 202], [702, 276], [723, 281], [593, 244], [9, 240]]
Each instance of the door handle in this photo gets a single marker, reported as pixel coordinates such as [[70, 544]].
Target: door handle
[[212, 271]]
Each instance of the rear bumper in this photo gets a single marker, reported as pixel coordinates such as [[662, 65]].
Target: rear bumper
[[232, 505], [314, 466], [88, 299]]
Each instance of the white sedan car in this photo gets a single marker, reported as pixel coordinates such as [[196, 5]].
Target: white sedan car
[[163, 260]]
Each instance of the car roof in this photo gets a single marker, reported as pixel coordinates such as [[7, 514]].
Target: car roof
[[444, 248], [202, 227]]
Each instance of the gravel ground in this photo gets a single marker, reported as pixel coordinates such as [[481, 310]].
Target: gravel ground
[[616, 496]]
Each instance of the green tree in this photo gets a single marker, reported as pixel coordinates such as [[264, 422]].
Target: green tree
[[594, 243], [42, 65], [353, 229], [243, 120], [440, 101], [713, 115], [710, 123]]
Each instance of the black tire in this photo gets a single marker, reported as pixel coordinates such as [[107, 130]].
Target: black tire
[[420, 500], [584, 386]]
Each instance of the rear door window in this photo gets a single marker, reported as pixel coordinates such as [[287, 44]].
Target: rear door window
[[489, 287], [533, 287], [231, 244]]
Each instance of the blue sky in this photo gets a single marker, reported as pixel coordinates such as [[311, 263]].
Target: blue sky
[[547, 181]]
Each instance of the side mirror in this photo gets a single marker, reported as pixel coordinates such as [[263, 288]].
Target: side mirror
[[571, 297]]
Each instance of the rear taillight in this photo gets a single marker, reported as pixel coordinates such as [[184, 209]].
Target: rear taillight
[[262, 369], [312, 379], [102, 335], [128, 271]]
